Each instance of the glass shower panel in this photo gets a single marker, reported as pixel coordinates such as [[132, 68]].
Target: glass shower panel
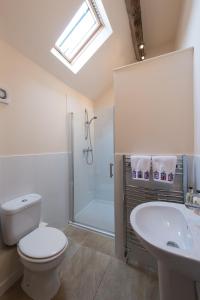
[[93, 163]]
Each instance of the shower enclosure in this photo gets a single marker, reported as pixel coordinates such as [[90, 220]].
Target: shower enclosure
[[92, 163]]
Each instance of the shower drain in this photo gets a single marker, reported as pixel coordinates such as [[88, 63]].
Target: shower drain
[[172, 244]]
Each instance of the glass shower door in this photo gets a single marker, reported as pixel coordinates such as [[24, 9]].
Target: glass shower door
[[93, 168]]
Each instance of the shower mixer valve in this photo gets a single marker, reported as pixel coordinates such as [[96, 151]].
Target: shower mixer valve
[[87, 150]]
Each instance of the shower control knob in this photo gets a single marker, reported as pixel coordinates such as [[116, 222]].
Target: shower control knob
[[87, 150]]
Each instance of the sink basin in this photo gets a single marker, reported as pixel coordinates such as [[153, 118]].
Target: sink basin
[[171, 233]]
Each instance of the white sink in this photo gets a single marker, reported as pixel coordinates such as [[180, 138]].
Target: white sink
[[171, 232]]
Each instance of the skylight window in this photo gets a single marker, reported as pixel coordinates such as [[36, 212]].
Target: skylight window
[[85, 33], [79, 31]]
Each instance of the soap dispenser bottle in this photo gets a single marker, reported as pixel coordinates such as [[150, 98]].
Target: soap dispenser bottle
[[196, 198], [189, 195]]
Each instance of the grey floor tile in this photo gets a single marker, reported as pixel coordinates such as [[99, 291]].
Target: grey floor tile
[[76, 234], [91, 239], [15, 293], [72, 248], [122, 282], [90, 274], [83, 275], [100, 243]]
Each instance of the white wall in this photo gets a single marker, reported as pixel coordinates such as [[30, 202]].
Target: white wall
[[35, 120], [166, 48], [33, 143], [188, 36], [33, 125], [154, 105], [153, 115], [104, 146]]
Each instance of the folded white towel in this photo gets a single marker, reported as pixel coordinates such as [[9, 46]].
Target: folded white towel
[[140, 166], [164, 168]]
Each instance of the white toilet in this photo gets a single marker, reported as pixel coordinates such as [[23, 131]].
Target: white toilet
[[41, 249]]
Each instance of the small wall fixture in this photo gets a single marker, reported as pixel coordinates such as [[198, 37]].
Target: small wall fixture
[[141, 46], [141, 50], [3, 96]]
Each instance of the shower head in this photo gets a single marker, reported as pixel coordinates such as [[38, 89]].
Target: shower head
[[94, 118]]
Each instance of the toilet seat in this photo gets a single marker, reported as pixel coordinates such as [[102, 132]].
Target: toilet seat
[[40, 260], [42, 245]]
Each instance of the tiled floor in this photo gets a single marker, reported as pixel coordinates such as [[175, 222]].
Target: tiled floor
[[91, 272]]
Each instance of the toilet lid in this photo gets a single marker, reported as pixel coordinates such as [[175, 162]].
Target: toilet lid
[[43, 242]]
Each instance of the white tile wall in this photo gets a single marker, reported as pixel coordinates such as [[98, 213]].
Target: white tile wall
[[45, 174]]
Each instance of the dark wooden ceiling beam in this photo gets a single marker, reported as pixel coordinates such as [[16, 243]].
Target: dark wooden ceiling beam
[[135, 21]]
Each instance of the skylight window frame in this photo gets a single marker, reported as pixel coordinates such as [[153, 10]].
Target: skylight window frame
[[100, 26], [86, 53]]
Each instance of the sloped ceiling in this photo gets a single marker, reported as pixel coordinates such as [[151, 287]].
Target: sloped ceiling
[[160, 21], [33, 26]]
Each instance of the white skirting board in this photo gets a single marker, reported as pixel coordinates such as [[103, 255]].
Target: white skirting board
[[9, 281]]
